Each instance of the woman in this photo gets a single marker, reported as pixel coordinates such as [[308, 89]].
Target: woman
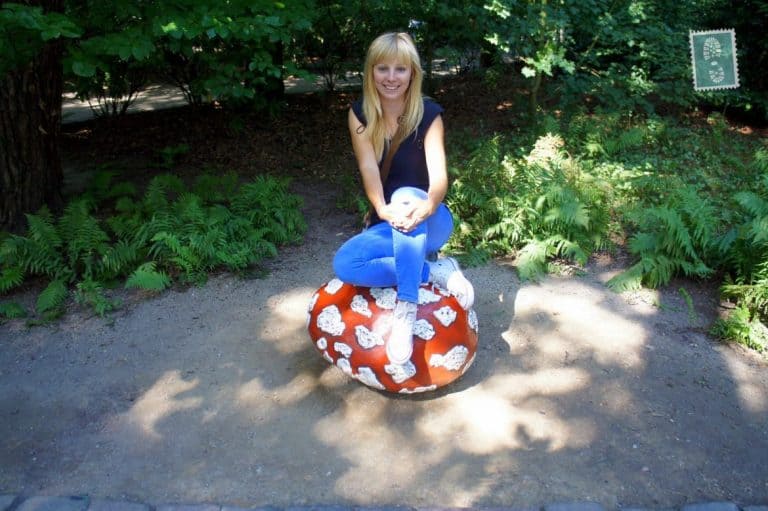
[[410, 220]]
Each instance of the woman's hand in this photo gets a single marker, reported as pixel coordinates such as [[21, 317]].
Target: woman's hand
[[405, 217]]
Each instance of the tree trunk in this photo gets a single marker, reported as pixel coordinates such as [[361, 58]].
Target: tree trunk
[[274, 90], [30, 124]]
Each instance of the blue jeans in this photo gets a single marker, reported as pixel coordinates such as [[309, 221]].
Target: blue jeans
[[382, 256]]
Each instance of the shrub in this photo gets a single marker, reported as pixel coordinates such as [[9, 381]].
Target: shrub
[[541, 205], [169, 233]]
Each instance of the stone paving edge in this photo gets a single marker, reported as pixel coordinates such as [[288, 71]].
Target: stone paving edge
[[11, 502]]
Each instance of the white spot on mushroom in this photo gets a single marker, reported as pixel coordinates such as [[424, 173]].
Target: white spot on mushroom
[[344, 365], [322, 343], [329, 321], [468, 364], [416, 390], [313, 301], [366, 338], [452, 360], [368, 377], [472, 319], [445, 315], [427, 296], [327, 357], [400, 373], [360, 305], [333, 286], [385, 297], [344, 349], [424, 329]]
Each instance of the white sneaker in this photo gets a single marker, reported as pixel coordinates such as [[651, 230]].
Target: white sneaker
[[446, 273], [400, 344]]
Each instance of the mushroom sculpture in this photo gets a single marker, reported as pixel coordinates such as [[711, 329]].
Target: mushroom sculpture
[[349, 326]]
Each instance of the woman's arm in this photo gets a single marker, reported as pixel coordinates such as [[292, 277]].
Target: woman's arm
[[366, 162], [434, 149], [370, 173]]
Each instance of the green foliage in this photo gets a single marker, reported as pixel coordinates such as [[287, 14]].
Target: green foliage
[[10, 278], [39, 253], [24, 29], [330, 49], [169, 155], [91, 293], [753, 296], [542, 205], [740, 326], [673, 238], [113, 86], [692, 316], [51, 299], [225, 51], [746, 258], [148, 278], [102, 187], [242, 47], [535, 32], [192, 236], [630, 54], [168, 232], [697, 209], [12, 310], [749, 19], [623, 54]]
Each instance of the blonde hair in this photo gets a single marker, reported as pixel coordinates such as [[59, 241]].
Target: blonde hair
[[400, 47]]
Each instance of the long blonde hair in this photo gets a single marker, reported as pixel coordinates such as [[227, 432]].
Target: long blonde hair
[[400, 47]]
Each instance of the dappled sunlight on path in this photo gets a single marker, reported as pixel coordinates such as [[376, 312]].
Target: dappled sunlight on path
[[217, 394], [161, 400], [751, 388], [511, 411]]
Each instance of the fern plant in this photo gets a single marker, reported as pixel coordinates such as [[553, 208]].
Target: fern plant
[[91, 293], [743, 327], [12, 310], [38, 253], [746, 266], [148, 240], [541, 205], [677, 236], [148, 277]]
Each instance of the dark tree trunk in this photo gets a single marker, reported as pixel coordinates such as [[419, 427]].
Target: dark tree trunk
[[30, 123], [274, 90]]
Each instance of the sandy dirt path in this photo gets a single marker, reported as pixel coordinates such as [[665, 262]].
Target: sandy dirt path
[[215, 394]]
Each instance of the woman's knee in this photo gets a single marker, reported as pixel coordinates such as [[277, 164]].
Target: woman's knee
[[343, 265], [407, 193], [440, 228]]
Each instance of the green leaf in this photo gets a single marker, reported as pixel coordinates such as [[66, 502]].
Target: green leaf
[[84, 69], [10, 278], [51, 33], [142, 50], [147, 277], [12, 310], [124, 52], [170, 27], [52, 297]]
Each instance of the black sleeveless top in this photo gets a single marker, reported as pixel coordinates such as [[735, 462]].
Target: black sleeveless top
[[409, 165]]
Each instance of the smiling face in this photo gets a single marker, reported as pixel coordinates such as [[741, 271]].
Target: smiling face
[[392, 78]]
